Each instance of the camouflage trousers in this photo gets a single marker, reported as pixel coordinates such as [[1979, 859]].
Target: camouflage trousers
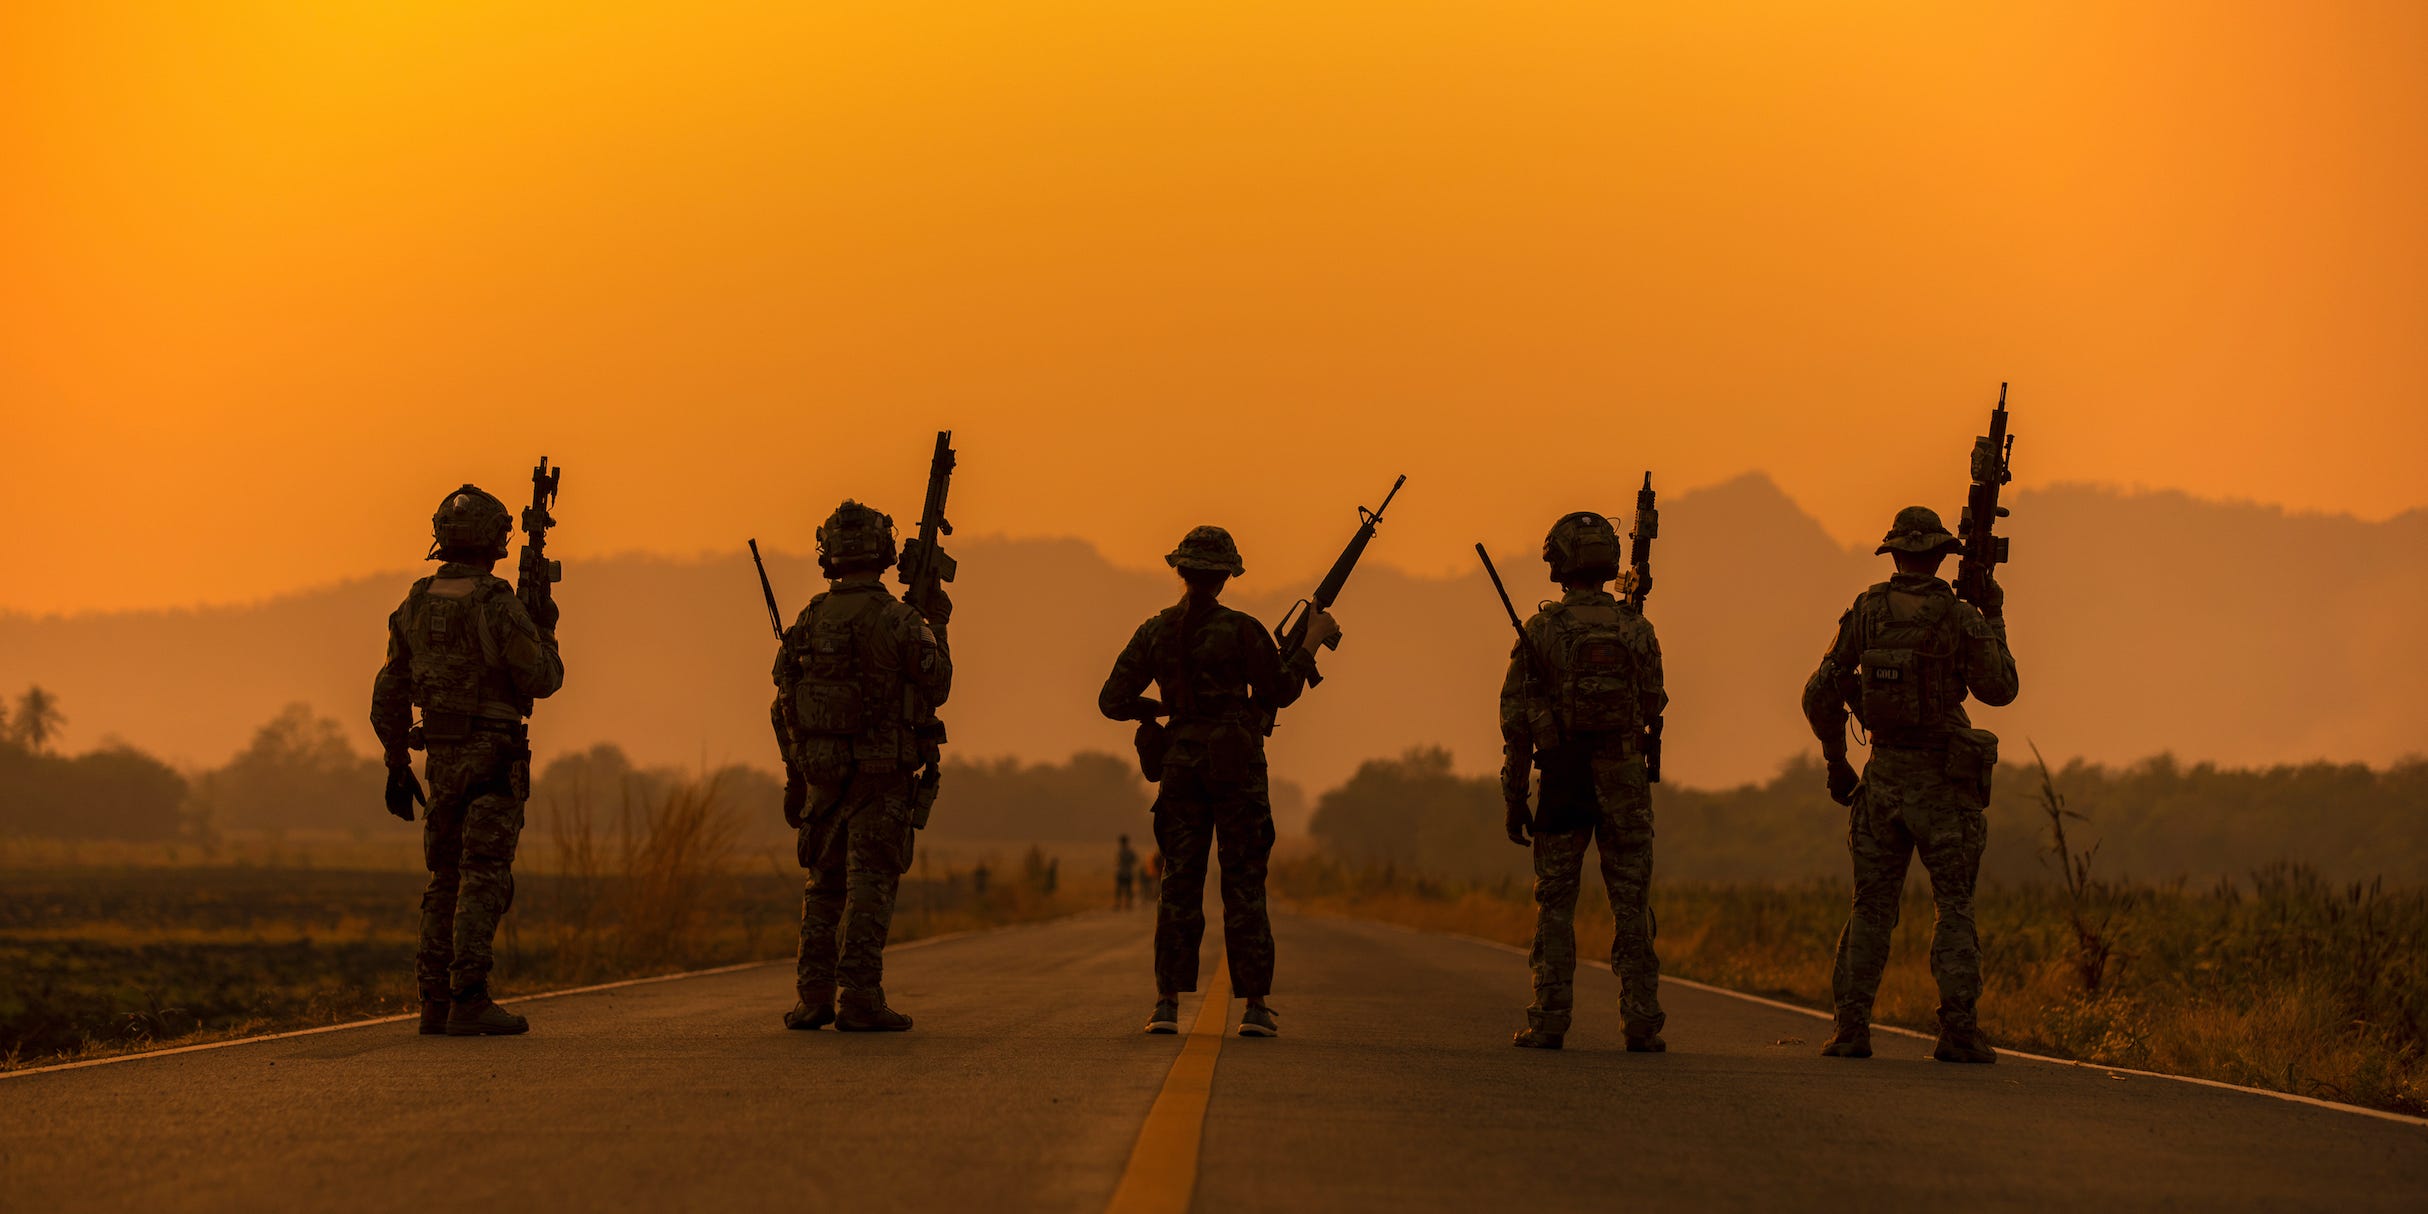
[[1622, 829], [1907, 804], [855, 867], [1234, 820], [477, 790]]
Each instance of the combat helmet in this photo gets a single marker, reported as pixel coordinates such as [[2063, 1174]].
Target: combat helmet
[[469, 525], [855, 538], [1918, 530], [1207, 550], [1582, 544]]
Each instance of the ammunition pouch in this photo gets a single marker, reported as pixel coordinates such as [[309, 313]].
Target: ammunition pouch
[[1972, 760]]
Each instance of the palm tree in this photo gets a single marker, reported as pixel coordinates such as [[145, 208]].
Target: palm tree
[[38, 718]]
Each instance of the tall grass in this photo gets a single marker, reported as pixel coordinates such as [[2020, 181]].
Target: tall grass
[[2282, 980], [636, 895]]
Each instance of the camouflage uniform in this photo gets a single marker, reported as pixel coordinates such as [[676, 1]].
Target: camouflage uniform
[[861, 673], [465, 651], [1593, 792], [1904, 657], [1222, 678]]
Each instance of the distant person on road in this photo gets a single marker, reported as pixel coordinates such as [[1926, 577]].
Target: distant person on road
[[1903, 660], [1221, 677], [472, 657], [859, 677], [1581, 689], [1125, 874]]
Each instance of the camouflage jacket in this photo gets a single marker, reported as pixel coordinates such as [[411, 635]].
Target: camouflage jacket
[[1967, 654], [1530, 723], [859, 678], [1221, 677], [461, 644]]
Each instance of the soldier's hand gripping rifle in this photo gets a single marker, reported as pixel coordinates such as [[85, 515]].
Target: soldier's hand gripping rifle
[[796, 788], [924, 568], [1292, 631], [1638, 588], [537, 574], [1993, 461]]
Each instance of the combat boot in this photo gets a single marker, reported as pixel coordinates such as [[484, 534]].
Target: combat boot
[[473, 1015], [1852, 1040], [1646, 1043], [1960, 1038], [434, 1017], [865, 1012], [815, 1009], [1538, 1039]]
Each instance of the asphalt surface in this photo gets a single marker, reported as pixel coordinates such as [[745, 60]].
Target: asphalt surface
[[1024, 1087]]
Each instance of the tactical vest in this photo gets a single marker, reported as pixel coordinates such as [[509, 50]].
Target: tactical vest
[[457, 668], [1185, 693], [857, 711], [1911, 669], [1596, 680]]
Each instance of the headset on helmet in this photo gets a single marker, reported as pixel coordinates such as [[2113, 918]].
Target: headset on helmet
[[855, 538], [470, 525], [1582, 543]]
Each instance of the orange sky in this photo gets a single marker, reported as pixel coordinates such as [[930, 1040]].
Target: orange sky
[[273, 277]]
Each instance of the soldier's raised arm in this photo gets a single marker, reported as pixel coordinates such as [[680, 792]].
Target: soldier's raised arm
[[927, 660], [528, 654], [1989, 666]]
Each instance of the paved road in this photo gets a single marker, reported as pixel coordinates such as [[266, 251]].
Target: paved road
[[1027, 1083]]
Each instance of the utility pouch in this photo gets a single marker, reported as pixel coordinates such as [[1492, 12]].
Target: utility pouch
[[826, 759], [1893, 689], [1152, 740], [445, 726], [1972, 759]]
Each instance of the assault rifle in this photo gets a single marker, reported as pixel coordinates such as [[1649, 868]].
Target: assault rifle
[[1993, 464], [1638, 588], [924, 566], [1292, 632], [923, 563], [537, 573]]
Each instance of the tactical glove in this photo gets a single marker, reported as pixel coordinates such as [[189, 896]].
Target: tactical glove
[[796, 796], [1519, 822], [1842, 780], [404, 792], [1990, 598], [545, 614], [1323, 632], [938, 609]]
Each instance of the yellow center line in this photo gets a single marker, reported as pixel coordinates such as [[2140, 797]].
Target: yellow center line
[[1162, 1172]]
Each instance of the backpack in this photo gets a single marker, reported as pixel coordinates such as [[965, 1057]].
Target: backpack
[[831, 700], [1906, 665], [1595, 673]]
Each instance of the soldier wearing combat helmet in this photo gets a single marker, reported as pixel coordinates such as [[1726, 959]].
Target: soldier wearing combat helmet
[[1904, 658], [859, 677], [1582, 689], [1221, 677], [472, 657]]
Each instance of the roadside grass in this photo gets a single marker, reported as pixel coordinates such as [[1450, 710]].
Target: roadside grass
[[2280, 981], [144, 951]]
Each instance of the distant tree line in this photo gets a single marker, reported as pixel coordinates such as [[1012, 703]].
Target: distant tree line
[[2154, 820]]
